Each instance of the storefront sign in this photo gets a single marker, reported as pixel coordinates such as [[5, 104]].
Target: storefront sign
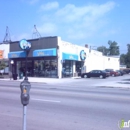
[[1, 54], [44, 52], [82, 55], [66, 56], [17, 54], [24, 45]]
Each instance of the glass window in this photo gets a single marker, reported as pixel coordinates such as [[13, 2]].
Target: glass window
[[67, 68], [21, 67], [45, 68], [38, 68]]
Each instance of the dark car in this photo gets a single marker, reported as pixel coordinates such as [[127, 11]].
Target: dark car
[[126, 71], [95, 73], [121, 72]]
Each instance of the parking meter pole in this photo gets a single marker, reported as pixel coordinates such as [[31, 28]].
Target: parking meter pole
[[24, 117], [25, 96]]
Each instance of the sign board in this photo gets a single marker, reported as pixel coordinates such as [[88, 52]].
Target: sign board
[[82, 55], [24, 45], [1, 54], [17, 54], [44, 52]]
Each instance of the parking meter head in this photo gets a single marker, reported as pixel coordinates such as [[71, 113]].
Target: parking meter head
[[25, 92]]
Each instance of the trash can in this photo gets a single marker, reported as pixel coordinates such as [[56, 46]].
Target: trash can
[[15, 76], [20, 75]]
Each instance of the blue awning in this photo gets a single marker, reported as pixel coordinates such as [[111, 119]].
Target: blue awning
[[17, 54], [66, 56], [44, 52]]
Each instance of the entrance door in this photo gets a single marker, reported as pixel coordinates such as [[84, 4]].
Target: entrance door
[[67, 68], [21, 67], [79, 65]]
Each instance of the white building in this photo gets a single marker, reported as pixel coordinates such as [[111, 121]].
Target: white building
[[91, 60], [53, 57]]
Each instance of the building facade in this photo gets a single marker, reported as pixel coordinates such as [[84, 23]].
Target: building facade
[[52, 57], [4, 50]]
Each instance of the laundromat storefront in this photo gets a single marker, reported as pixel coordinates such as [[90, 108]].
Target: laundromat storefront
[[43, 63]]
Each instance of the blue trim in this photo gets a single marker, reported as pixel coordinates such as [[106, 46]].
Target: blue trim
[[44, 52], [17, 54], [66, 56]]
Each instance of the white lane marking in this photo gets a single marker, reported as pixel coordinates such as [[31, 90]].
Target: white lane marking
[[45, 100]]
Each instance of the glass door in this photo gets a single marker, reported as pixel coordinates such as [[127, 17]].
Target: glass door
[[67, 68]]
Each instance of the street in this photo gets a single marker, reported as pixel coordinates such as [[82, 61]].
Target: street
[[79, 104]]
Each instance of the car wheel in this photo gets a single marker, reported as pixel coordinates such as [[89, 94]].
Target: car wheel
[[85, 76], [101, 76]]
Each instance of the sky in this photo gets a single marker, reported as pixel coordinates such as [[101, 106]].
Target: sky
[[92, 22]]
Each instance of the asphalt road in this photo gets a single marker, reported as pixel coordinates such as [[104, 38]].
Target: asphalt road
[[70, 106]]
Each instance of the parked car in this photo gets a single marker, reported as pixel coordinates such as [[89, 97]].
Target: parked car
[[107, 73], [118, 72], [94, 73], [121, 72], [126, 71], [112, 72]]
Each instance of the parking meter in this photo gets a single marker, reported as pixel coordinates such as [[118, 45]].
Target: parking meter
[[25, 89]]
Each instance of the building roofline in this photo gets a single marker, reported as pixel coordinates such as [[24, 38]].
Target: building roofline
[[34, 39]]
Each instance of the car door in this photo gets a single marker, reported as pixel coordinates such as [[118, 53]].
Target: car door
[[93, 73], [90, 74], [97, 73]]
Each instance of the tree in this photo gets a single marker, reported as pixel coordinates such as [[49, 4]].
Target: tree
[[128, 47], [113, 48], [128, 56], [128, 60], [2, 65], [103, 49], [123, 59]]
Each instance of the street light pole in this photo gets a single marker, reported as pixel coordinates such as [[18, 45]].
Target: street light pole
[[26, 77], [11, 74]]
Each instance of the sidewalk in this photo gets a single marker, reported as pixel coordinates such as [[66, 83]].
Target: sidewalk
[[43, 80], [74, 81]]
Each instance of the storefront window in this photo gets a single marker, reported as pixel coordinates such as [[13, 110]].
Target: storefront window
[[38, 68], [21, 66], [45, 68], [67, 68]]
